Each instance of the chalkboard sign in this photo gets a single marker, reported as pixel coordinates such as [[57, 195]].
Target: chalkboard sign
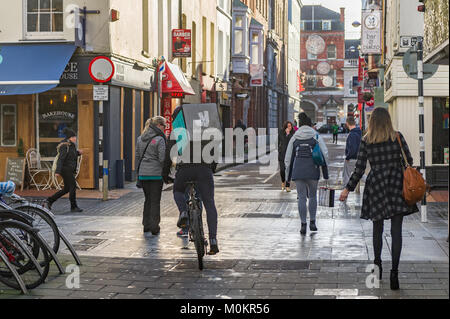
[[15, 171]]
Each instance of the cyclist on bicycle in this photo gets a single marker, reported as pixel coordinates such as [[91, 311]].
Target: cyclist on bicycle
[[189, 170]]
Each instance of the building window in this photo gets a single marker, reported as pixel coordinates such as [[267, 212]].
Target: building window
[[57, 109], [440, 130], [332, 75], [312, 78], [239, 29], [331, 51], [8, 125], [44, 16], [302, 25], [326, 25], [312, 56], [256, 47]]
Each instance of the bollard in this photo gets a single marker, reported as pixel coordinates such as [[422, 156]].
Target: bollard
[[105, 180]]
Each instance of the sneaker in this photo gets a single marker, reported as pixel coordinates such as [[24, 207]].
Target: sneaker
[[183, 233], [214, 250], [288, 189], [76, 210], [283, 186], [183, 220]]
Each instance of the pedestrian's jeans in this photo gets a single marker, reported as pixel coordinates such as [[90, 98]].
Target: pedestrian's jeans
[[307, 190], [203, 176], [152, 205], [70, 186]]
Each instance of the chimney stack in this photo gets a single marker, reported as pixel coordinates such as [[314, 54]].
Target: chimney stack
[[342, 15]]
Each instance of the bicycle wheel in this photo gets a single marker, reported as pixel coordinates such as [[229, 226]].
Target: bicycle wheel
[[198, 236], [10, 231], [45, 223]]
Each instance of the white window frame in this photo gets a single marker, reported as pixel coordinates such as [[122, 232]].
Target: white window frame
[[259, 43], [15, 126], [244, 30], [324, 23], [40, 35], [335, 52]]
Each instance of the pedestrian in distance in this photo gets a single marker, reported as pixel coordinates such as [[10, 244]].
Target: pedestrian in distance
[[383, 194], [303, 170], [150, 156], [351, 149], [66, 167], [335, 129], [295, 126], [284, 137]]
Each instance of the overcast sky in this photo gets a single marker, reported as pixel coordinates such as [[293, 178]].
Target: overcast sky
[[352, 13]]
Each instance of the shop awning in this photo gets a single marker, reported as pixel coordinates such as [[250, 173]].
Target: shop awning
[[32, 68], [174, 81]]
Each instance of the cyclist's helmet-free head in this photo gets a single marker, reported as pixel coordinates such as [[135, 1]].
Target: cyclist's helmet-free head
[[7, 188]]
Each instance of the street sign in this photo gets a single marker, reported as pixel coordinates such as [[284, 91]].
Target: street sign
[[101, 93], [410, 66], [101, 69]]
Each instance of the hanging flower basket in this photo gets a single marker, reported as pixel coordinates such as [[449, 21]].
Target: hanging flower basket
[[367, 97]]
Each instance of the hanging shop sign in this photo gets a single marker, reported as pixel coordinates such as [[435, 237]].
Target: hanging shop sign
[[371, 32], [167, 113], [257, 75], [181, 43]]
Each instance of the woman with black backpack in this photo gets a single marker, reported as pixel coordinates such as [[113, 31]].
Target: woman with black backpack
[[302, 168]]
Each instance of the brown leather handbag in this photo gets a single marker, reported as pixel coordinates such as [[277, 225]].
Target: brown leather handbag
[[414, 185]]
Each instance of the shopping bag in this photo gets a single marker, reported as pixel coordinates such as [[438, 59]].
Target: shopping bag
[[326, 196]]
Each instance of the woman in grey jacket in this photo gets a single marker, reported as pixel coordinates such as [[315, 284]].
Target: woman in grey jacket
[[300, 167], [150, 155]]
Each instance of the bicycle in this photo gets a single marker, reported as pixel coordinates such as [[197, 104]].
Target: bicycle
[[25, 255], [196, 233]]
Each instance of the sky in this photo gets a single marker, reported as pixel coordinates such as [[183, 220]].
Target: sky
[[352, 13]]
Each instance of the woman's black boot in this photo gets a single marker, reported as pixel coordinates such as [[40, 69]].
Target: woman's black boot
[[303, 230], [395, 285]]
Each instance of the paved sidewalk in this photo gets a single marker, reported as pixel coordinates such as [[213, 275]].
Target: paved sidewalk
[[125, 278]]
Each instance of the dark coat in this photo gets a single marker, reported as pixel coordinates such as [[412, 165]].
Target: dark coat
[[353, 143], [68, 157], [283, 142], [302, 163], [383, 193]]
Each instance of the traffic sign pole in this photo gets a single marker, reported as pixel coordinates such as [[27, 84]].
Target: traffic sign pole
[[420, 76]]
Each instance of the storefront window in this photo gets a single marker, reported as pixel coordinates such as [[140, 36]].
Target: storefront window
[[58, 109], [8, 125], [440, 130]]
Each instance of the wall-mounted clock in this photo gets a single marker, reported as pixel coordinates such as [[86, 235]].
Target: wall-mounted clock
[[315, 44], [327, 81], [323, 68]]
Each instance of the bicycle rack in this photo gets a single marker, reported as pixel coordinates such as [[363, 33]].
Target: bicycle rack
[[26, 251], [14, 273], [52, 254]]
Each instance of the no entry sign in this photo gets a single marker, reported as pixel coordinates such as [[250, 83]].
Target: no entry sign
[[101, 69]]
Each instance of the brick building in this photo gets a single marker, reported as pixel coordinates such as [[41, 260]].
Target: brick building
[[322, 60]]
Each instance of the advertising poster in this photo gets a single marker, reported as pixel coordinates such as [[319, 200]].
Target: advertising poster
[[371, 32], [181, 43]]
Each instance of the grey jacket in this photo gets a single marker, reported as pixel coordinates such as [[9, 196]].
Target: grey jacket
[[303, 134], [153, 159]]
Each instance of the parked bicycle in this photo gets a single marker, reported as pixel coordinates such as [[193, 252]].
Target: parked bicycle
[[196, 233]]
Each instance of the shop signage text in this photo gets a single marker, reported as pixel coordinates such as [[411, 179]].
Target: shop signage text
[[58, 115], [181, 43], [101, 93], [371, 32]]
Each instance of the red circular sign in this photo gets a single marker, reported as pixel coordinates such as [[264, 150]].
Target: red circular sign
[[371, 103], [101, 69]]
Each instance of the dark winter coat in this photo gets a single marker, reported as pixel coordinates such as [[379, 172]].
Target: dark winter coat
[[383, 197], [68, 157], [353, 143], [283, 143]]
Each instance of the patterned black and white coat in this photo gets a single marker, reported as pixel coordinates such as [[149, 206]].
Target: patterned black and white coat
[[383, 197]]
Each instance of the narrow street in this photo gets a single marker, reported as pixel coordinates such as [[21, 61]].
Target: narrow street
[[262, 253]]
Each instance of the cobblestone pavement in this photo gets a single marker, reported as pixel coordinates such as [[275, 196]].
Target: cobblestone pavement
[[262, 253]]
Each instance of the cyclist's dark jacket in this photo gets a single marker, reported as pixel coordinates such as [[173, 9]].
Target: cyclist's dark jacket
[[68, 157]]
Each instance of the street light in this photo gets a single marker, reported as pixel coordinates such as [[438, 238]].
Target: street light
[[356, 24]]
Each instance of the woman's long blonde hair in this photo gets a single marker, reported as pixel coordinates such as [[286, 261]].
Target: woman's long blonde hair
[[380, 127], [157, 120]]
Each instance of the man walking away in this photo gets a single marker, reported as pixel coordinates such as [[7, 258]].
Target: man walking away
[[66, 168], [335, 129], [352, 149]]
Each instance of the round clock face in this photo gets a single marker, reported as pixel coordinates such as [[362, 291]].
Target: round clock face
[[372, 21], [327, 81], [323, 68], [315, 44]]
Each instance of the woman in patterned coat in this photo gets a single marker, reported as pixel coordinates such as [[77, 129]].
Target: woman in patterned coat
[[383, 193]]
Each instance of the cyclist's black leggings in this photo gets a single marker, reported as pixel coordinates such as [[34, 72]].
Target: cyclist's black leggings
[[203, 176], [396, 236]]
